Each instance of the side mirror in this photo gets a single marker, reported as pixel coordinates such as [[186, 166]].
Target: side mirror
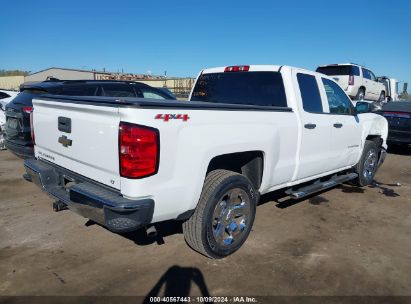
[[363, 107]]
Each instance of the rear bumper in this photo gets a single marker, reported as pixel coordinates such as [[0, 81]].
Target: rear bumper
[[20, 150], [90, 199]]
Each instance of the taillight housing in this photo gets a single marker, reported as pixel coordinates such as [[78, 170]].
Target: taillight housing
[[139, 150], [237, 68], [351, 80], [27, 110]]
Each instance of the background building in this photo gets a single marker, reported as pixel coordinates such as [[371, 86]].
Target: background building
[[179, 86], [66, 74], [11, 82]]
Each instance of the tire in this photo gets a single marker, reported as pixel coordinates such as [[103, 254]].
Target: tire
[[360, 94], [367, 166], [216, 229]]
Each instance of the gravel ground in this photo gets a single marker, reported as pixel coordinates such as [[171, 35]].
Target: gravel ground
[[346, 241]]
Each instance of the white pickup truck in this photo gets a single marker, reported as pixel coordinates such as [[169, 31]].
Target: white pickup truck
[[246, 130]]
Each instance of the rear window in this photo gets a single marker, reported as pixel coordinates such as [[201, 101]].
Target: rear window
[[339, 70], [25, 97], [249, 88]]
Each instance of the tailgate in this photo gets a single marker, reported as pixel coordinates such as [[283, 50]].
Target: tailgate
[[78, 137]]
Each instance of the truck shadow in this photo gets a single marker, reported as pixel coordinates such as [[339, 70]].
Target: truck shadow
[[140, 236], [283, 201], [177, 282], [384, 190], [164, 229]]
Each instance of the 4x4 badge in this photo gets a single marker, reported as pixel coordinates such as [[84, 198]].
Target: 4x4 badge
[[167, 117], [65, 141]]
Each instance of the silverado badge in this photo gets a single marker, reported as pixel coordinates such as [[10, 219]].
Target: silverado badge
[[65, 141]]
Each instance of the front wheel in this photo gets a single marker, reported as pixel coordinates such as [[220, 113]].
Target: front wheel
[[367, 166], [224, 215]]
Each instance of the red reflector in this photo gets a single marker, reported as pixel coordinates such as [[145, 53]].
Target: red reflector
[[27, 110], [138, 150], [237, 68], [351, 80]]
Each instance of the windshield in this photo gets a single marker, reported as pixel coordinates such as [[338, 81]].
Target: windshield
[[250, 88]]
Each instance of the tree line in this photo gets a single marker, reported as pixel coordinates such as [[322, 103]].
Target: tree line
[[13, 73]]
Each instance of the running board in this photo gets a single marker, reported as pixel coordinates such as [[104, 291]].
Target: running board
[[320, 186]]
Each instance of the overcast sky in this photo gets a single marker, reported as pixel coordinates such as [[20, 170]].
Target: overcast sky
[[183, 37]]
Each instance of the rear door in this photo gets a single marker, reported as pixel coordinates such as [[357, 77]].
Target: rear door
[[368, 84], [315, 146], [345, 127], [82, 138], [376, 86]]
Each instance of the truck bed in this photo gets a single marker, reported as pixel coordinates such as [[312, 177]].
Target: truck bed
[[147, 103]]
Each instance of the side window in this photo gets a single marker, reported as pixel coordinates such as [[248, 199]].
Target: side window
[[77, 90], [366, 73], [355, 71], [310, 94], [4, 95], [148, 93], [118, 90], [339, 102]]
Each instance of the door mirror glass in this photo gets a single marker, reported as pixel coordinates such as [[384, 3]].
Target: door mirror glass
[[362, 107]]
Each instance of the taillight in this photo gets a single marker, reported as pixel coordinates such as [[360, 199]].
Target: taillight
[[32, 128], [237, 68], [351, 80], [139, 149], [397, 114], [27, 110]]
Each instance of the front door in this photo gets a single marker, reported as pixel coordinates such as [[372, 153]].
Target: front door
[[345, 126]]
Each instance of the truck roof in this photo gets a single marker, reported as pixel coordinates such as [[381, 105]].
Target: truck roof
[[337, 64], [252, 68], [44, 85]]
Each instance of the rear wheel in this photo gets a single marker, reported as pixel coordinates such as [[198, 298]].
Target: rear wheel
[[224, 215], [360, 94], [367, 166]]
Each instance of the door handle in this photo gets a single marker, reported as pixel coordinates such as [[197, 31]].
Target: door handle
[[310, 126], [338, 125]]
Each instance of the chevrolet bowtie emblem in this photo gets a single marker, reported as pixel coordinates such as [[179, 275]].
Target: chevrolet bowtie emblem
[[65, 141]]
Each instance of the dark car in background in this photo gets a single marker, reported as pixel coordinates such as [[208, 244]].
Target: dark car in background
[[398, 114], [18, 130]]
